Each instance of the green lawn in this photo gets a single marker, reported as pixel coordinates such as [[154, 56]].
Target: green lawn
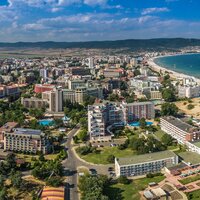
[[194, 195], [190, 179], [159, 134], [131, 191], [100, 158]]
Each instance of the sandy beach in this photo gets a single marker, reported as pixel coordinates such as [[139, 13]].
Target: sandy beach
[[172, 73]]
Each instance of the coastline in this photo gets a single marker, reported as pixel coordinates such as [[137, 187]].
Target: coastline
[[172, 73]]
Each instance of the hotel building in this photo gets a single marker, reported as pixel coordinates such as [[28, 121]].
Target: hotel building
[[26, 140], [184, 133], [144, 164]]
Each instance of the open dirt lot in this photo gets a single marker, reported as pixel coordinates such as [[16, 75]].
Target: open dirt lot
[[183, 106]]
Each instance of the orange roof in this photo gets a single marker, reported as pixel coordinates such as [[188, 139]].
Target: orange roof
[[51, 193]]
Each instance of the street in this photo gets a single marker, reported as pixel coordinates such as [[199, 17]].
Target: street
[[73, 162]]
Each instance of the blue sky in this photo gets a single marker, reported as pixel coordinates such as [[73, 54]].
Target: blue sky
[[86, 20]]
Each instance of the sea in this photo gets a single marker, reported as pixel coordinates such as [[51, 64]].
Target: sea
[[188, 64]]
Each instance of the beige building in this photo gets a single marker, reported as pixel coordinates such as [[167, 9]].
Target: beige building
[[26, 140], [33, 103], [54, 99]]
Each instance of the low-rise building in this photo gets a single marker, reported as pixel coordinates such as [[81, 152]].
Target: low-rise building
[[189, 91], [26, 140], [143, 164], [33, 102]]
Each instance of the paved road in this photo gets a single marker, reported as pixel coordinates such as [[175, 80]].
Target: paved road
[[73, 162]]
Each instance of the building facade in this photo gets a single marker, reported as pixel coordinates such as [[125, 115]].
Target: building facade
[[144, 164], [138, 110], [26, 140]]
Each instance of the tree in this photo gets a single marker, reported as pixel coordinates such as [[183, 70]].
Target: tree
[[123, 180], [16, 179], [168, 109], [54, 181], [168, 94], [3, 193], [167, 140], [82, 135], [142, 123], [113, 97], [111, 158]]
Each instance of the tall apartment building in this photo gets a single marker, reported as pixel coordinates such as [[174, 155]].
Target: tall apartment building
[[138, 110], [101, 116], [54, 99], [97, 120], [144, 164], [26, 140], [44, 73]]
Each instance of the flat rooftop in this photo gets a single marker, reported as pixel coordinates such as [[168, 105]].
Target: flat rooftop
[[190, 157], [27, 131], [145, 158], [180, 124]]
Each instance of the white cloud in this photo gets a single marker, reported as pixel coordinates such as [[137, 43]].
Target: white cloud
[[154, 10], [95, 2]]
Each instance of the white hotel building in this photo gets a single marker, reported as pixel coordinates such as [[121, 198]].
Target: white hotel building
[[181, 131], [144, 164]]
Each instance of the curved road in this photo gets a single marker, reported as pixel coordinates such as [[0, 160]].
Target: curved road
[[73, 162]]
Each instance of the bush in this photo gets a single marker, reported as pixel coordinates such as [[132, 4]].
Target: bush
[[54, 181], [190, 106], [123, 180], [86, 150], [150, 175], [111, 159]]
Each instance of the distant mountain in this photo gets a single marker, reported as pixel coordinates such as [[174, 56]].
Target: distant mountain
[[132, 44]]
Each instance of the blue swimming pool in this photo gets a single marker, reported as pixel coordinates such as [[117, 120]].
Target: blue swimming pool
[[46, 122], [137, 124]]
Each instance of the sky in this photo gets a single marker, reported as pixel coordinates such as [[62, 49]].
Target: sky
[[90, 20]]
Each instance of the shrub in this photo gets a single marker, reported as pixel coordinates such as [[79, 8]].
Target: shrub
[[123, 180], [190, 106], [111, 159]]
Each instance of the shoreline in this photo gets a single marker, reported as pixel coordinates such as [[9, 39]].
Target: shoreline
[[172, 73]]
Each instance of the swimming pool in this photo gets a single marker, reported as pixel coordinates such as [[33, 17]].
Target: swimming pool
[[46, 122], [137, 124]]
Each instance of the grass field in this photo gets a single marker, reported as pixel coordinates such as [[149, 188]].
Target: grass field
[[194, 195], [131, 191], [190, 179], [101, 157], [159, 134]]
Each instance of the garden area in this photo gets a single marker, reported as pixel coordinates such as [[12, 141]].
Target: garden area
[[190, 179], [131, 191], [101, 155]]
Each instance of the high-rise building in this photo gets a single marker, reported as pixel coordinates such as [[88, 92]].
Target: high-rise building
[[54, 99], [138, 110]]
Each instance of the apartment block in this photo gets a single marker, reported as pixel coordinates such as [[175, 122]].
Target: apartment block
[[143, 164], [54, 99], [101, 117], [138, 110], [26, 140], [33, 102], [188, 91]]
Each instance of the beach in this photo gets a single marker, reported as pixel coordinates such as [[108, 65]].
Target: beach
[[172, 73]]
